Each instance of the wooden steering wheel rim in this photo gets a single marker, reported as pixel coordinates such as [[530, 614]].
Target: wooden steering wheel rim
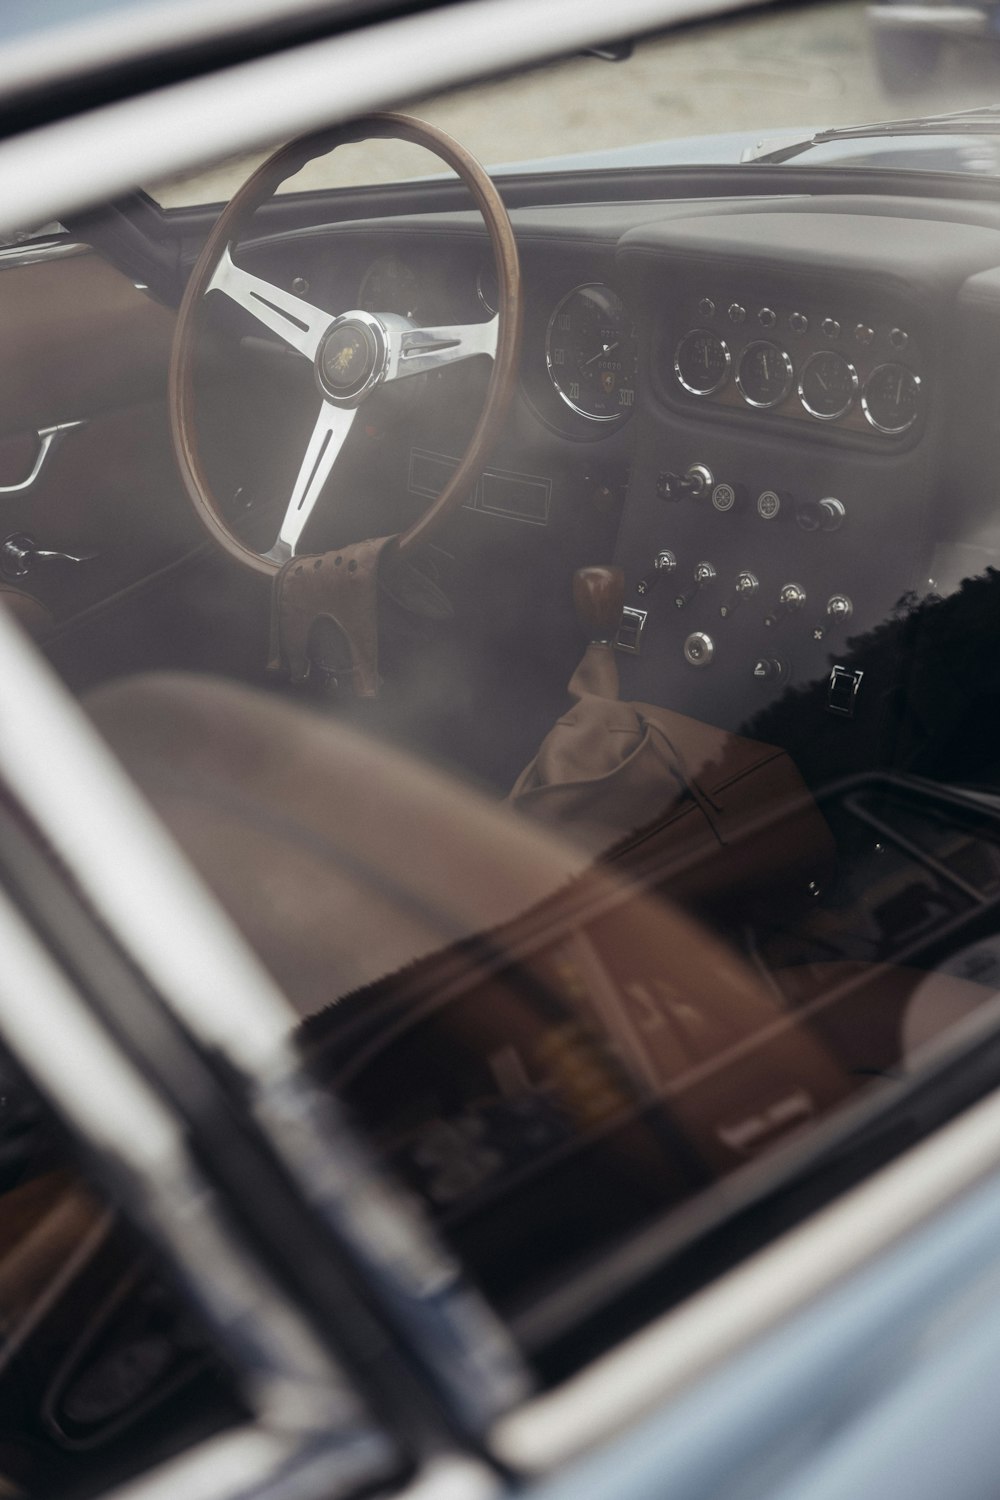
[[235, 218]]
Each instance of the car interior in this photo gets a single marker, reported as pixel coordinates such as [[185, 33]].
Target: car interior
[[631, 814]]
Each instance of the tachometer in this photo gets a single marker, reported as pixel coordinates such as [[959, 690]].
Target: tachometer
[[702, 362], [590, 353]]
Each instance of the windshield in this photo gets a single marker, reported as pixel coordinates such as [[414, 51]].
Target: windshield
[[718, 94]]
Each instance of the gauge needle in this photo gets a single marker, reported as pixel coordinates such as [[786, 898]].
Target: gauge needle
[[604, 349]]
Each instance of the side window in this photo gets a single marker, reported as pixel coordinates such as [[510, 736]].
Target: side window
[[103, 1371]]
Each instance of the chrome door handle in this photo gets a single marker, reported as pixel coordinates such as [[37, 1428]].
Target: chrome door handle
[[19, 554], [49, 439]]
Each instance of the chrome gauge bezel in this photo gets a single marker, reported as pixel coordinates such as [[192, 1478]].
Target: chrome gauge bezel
[[918, 389], [828, 416], [789, 375], [588, 416], [708, 333]]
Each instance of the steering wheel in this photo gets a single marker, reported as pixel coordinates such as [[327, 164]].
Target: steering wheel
[[352, 353]]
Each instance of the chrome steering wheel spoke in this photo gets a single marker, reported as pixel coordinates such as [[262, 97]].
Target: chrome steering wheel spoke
[[419, 351], [298, 323], [328, 437]]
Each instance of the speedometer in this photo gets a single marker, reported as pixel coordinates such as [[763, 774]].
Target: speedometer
[[590, 353]]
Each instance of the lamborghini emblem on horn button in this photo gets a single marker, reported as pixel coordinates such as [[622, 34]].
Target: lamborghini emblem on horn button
[[345, 358]]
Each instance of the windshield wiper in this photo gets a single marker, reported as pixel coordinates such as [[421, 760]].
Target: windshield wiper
[[985, 119]]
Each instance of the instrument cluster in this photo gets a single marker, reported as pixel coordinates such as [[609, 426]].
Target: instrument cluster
[[844, 366]]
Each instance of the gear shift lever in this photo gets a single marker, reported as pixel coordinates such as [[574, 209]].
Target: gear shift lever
[[598, 596]]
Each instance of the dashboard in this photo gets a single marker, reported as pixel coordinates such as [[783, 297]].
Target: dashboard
[[754, 408]]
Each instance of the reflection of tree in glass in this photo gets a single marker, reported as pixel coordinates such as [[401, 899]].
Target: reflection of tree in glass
[[930, 702]]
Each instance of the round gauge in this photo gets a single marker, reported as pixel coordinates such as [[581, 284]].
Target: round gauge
[[488, 287], [764, 374], [702, 362], [828, 384], [389, 286], [891, 399], [590, 353]]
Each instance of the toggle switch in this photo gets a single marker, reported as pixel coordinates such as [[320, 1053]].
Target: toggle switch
[[664, 563], [745, 587], [838, 611], [791, 599], [704, 574]]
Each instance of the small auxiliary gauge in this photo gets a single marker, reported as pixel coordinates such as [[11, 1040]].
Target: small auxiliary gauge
[[764, 375], [828, 384], [702, 362], [891, 398]]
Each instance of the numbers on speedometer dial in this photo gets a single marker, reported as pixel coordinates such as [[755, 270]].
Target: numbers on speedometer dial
[[590, 353]]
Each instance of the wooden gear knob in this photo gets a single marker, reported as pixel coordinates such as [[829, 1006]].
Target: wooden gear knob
[[598, 595]]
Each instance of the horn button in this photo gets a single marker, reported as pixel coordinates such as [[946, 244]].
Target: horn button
[[352, 358]]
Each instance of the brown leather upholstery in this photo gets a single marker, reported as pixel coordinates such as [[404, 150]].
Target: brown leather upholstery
[[704, 813], [342, 861]]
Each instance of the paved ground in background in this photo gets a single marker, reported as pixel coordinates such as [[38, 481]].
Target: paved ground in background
[[811, 66]]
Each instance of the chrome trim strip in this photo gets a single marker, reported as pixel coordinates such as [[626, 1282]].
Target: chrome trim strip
[[235, 1466], [252, 1463], [15, 256], [683, 1347], [963, 20], [57, 169]]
